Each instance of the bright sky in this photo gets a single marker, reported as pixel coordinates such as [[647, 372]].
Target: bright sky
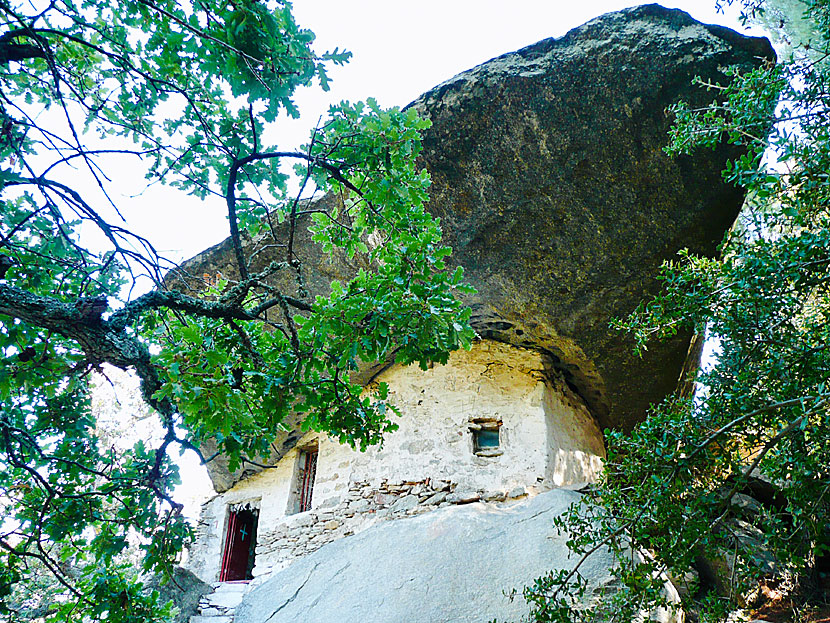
[[401, 49]]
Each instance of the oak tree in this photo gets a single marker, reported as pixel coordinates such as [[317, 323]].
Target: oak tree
[[728, 492], [189, 91]]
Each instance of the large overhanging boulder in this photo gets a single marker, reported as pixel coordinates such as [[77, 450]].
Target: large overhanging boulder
[[557, 197]]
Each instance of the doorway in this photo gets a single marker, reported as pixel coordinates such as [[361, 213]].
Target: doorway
[[240, 545]]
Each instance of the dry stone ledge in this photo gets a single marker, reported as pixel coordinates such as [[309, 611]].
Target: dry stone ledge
[[555, 193], [450, 565]]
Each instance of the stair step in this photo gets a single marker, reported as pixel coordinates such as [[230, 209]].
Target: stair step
[[222, 599], [230, 587]]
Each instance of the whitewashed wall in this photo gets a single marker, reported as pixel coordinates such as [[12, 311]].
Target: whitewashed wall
[[547, 439]]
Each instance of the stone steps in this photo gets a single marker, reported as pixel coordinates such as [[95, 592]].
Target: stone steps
[[220, 605]]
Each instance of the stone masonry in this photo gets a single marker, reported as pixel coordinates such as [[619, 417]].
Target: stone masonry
[[365, 504]]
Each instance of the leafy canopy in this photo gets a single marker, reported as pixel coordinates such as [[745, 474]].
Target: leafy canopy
[[185, 92], [733, 485]]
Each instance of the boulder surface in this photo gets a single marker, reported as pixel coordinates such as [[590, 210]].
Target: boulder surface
[[184, 589], [556, 195], [457, 564]]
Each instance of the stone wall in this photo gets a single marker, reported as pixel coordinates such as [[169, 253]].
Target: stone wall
[[547, 439], [365, 505]]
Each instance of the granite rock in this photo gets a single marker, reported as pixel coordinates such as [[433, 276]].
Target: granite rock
[[185, 590], [556, 195], [456, 564]]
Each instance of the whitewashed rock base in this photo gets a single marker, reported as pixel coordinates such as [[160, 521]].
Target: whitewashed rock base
[[453, 565]]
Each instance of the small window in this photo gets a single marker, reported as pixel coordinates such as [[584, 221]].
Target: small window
[[486, 437], [303, 489]]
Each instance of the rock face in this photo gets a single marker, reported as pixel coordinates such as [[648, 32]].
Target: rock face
[[185, 590], [451, 565], [555, 193]]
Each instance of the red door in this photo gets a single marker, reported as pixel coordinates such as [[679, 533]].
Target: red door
[[240, 543]]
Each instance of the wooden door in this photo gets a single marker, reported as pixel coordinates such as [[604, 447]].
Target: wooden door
[[240, 543]]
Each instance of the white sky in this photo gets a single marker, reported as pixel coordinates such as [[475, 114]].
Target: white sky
[[400, 49]]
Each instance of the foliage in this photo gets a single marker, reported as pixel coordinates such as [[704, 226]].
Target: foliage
[[188, 90], [676, 493]]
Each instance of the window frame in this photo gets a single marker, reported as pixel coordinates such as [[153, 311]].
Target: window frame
[[301, 494], [308, 458], [488, 424]]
